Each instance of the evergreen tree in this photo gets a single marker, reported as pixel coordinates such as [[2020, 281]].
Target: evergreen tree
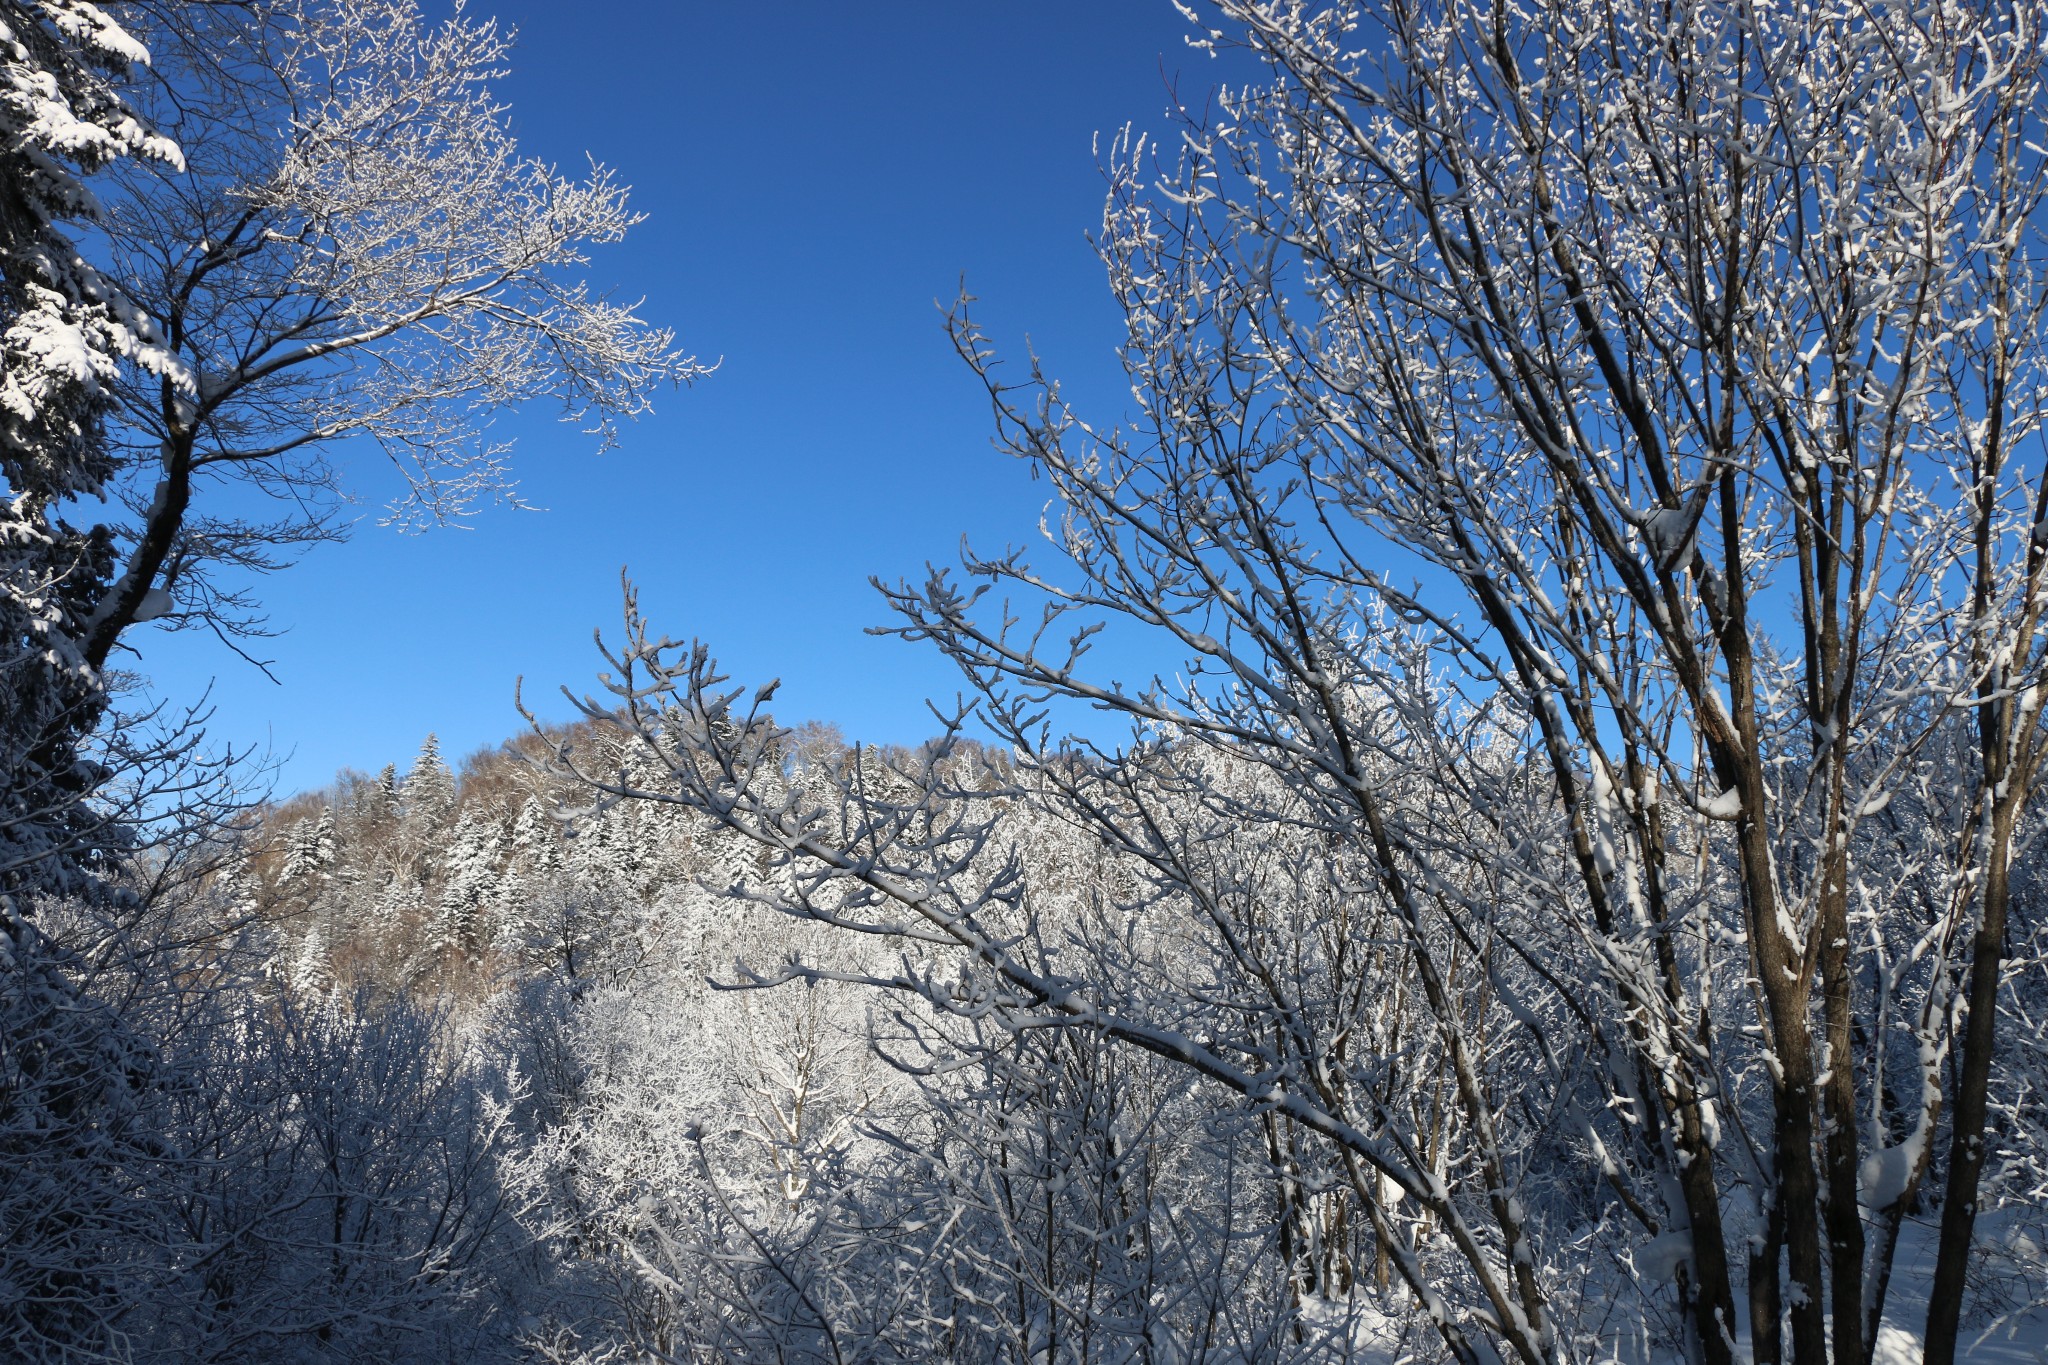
[[63, 331], [310, 972], [471, 885], [324, 848], [302, 860], [69, 1069], [536, 839], [429, 792]]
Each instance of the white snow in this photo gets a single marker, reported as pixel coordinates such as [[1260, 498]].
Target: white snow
[[1725, 806], [1661, 1258], [2021, 1341], [1671, 533]]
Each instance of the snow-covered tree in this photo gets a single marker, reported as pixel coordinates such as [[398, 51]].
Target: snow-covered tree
[[309, 849], [355, 248], [309, 972], [65, 331], [70, 1069], [471, 882], [537, 839], [1585, 498], [337, 1195], [429, 790]]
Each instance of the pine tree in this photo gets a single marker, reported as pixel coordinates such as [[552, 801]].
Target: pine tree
[[470, 889], [429, 792], [298, 857], [536, 839], [324, 849], [67, 1067], [310, 973], [63, 331]]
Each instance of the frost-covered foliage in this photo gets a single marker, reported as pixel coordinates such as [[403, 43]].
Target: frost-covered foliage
[[65, 333], [1570, 894], [73, 1149], [356, 248], [335, 1194], [212, 1159], [803, 1172], [1585, 495], [811, 1171], [232, 233], [63, 117]]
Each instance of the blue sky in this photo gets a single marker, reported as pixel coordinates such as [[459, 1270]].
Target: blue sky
[[816, 176]]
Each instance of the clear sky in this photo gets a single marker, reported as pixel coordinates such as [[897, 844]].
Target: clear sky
[[817, 176]]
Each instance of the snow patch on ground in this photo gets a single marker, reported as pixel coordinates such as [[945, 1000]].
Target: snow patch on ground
[[1354, 1330], [2020, 1340]]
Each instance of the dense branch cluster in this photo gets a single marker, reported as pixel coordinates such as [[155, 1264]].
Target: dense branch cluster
[[232, 234], [1586, 469], [1568, 891]]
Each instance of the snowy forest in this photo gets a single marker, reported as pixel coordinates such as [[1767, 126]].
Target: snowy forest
[[1568, 889]]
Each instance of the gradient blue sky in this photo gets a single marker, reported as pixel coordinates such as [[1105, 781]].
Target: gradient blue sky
[[815, 175]]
